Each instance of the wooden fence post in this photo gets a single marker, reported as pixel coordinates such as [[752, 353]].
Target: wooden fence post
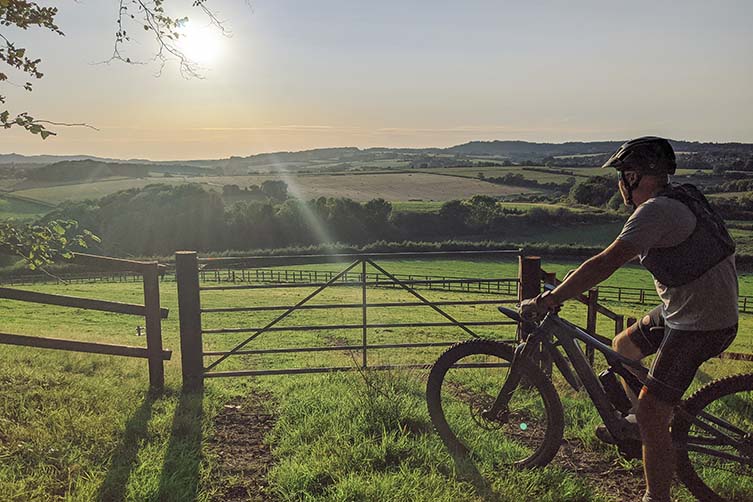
[[529, 275], [619, 324], [551, 278], [189, 309], [546, 360], [153, 327], [593, 300]]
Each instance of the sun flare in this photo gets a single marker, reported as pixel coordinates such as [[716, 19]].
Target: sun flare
[[201, 44]]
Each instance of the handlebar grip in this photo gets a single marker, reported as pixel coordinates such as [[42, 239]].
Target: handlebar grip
[[512, 314]]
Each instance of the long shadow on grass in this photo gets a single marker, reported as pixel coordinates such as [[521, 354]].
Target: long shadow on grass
[[180, 471], [125, 456], [467, 471]]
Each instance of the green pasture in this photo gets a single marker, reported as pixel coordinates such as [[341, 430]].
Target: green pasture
[[600, 234], [17, 209], [497, 171], [743, 239], [730, 195], [417, 206], [7, 183], [82, 427], [629, 276], [432, 206], [92, 189]]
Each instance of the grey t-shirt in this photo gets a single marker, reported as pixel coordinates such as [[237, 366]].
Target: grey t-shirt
[[707, 303]]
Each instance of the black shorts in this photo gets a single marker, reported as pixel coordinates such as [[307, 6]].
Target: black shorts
[[679, 353]]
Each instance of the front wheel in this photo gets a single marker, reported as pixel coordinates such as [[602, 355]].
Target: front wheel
[[465, 381], [713, 437]]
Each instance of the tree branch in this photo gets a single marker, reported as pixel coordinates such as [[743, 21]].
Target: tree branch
[[67, 124]]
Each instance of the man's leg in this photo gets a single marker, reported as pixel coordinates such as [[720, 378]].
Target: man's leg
[[677, 360], [654, 416], [640, 340], [623, 345]]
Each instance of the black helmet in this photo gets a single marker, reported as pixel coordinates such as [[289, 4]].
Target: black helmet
[[646, 155]]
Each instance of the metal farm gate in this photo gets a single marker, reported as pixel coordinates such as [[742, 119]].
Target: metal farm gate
[[198, 363]]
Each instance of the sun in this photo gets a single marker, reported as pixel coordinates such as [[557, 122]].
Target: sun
[[201, 44]]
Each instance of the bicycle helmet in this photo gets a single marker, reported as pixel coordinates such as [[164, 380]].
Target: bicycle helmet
[[646, 155]]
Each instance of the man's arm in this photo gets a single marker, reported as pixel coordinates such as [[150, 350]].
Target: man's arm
[[593, 271]]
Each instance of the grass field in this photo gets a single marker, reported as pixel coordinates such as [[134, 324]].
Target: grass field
[[729, 195], [92, 189], [537, 173], [422, 206], [491, 172], [360, 187], [82, 427], [16, 209]]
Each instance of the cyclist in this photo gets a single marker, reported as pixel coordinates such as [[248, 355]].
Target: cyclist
[[679, 238]]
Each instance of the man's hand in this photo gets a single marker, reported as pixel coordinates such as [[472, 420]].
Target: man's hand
[[536, 308]]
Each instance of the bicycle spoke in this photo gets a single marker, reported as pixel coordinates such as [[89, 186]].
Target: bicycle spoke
[[720, 444], [462, 389]]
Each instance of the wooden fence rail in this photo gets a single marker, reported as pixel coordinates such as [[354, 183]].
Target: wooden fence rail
[[151, 311], [79, 346], [303, 278], [73, 301]]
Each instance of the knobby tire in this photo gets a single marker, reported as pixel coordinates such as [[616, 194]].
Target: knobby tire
[[731, 399], [533, 381]]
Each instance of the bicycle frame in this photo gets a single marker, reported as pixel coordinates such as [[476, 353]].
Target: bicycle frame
[[566, 335]]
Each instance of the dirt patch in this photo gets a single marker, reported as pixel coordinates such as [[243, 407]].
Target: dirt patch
[[608, 475], [244, 459]]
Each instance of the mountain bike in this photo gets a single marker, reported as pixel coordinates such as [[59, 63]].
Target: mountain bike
[[489, 399]]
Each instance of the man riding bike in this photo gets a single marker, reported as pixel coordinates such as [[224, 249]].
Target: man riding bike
[[679, 238]]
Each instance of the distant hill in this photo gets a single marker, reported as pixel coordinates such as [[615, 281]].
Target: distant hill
[[80, 170], [89, 169], [518, 151], [526, 149], [15, 158]]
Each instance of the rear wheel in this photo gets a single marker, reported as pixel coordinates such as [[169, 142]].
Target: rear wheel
[[723, 468], [465, 381]]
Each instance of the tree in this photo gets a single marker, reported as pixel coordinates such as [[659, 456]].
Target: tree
[[594, 191], [482, 208], [146, 15], [749, 164], [454, 215], [275, 189], [40, 245], [377, 218]]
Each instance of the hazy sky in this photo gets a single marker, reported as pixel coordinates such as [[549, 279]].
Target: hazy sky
[[306, 74]]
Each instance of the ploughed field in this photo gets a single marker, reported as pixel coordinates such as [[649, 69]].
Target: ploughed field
[[83, 427], [360, 187]]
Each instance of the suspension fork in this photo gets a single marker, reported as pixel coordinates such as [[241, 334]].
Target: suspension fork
[[522, 351]]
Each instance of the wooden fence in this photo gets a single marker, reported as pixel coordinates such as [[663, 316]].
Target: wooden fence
[[150, 310], [640, 296], [191, 291]]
